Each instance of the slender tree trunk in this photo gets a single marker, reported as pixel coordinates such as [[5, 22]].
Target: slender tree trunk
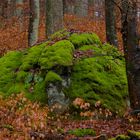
[[132, 51], [68, 6], [2, 7], [81, 8], [33, 22], [6, 13], [19, 8], [54, 13], [111, 35], [19, 13]]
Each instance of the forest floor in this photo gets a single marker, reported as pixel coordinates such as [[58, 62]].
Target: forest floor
[[21, 119]]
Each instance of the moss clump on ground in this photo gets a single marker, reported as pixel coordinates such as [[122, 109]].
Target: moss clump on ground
[[134, 134], [121, 137], [97, 77], [129, 136], [82, 132]]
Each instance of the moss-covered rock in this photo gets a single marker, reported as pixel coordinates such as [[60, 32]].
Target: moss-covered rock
[[100, 78], [52, 77], [59, 54], [63, 34], [9, 65], [84, 39], [97, 77], [31, 58]]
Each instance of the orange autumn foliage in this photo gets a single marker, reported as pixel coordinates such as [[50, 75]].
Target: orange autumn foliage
[[19, 117], [14, 38]]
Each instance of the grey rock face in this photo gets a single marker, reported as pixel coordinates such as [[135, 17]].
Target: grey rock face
[[56, 97]]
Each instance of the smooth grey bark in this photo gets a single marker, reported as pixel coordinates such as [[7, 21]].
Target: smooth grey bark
[[131, 51], [69, 6], [2, 6], [91, 2], [33, 22], [19, 8], [42, 8], [91, 8], [81, 8], [111, 35], [19, 13], [55, 91], [54, 16], [6, 10]]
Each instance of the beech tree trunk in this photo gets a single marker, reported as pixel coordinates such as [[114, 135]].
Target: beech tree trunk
[[54, 16], [19, 8], [19, 13], [111, 35], [33, 22], [2, 9], [81, 8], [132, 51], [5, 9], [69, 6]]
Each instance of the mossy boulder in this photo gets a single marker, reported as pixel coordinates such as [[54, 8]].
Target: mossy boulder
[[59, 54], [84, 39], [31, 57], [100, 76], [63, 34], [52, 77], [9, 65]]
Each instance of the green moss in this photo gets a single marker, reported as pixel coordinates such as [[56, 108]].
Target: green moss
[[111, 50], [9, 65], [59, 54], [8, 126], [38, 92], [82, 132], [112, 139], [100, 78], [30, 60], [84, 39], [131, 135], [96, 49], [21, 75], [52, 77], [134, 134], [15, 88], [59, 35], [122, 137]]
